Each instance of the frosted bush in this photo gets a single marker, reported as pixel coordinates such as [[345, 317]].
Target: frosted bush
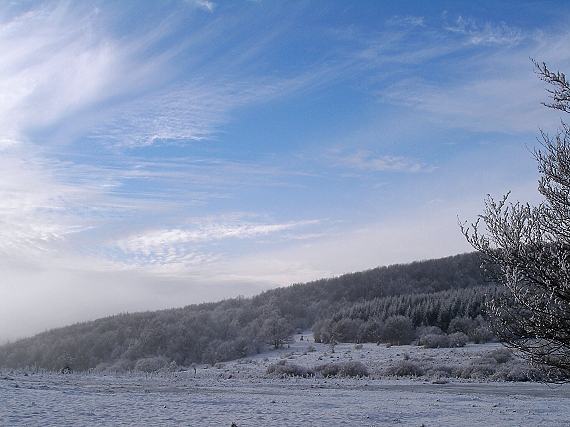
[[501, 355], [283, 369], [426, 330], [479, 369], [399, 330], [434, 341], [404, 368], [499, 365], [458, 339], [517, 370], [481, 335], [440, 371], [343, 369], [151, 364]]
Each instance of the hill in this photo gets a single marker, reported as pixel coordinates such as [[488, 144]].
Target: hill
[[443, 293]]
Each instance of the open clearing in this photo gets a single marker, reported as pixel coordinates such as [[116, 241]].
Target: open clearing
[[242, 393]]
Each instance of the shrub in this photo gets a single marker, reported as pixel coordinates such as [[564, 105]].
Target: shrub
[[404, 368], [461, 324], [440, 371], [342, 369], [426, 330], [120, 366], [458, 339], [322, 332], [371, 331], [434, 341], [151, 364], [478, 369], [517, 370], [283, 369], [501, 355], [481, 335]]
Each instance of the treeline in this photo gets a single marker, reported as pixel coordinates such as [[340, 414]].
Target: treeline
[[428, 293], [206, 333], [401, 319]]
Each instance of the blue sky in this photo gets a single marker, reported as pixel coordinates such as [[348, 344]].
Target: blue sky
[[158, 154]]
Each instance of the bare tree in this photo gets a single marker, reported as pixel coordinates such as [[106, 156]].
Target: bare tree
[[527, 249]]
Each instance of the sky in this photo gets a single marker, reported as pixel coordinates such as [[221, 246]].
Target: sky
[[165, 153]]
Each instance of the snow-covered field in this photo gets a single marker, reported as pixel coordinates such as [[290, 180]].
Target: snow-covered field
[[241, 392]]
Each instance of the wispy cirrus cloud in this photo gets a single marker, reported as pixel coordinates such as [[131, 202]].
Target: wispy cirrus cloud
[[37, 213], [63, 68], [58, 62], [53, 61], [181, 245], [193, 111], [365, 160], [206, 5], [481, 89], [65, 75], [490, 33]]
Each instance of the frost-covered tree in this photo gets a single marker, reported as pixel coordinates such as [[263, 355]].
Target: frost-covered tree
[[399, 330], [276, 331], [527, 249]]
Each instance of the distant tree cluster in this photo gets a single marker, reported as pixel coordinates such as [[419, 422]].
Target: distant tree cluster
[[207, 333], [354, 307], [401, 319]]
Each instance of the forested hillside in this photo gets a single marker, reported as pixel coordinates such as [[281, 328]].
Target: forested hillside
[[447, 294]]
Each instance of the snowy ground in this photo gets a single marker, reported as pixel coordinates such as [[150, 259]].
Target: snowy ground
[[240, 392]]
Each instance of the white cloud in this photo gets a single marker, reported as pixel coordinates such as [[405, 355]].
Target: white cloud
[[490, 33], [426, 232], [483, 82], [366, 160], [500, 93], [206, 5], [192, 112], [35, 210], [180, 246], [52, 63], [62, 63]]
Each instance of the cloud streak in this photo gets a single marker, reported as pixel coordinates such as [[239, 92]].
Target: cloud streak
[[479, 80], [54, 62], [206, 5], [162, 246], [488, 34], [366, 161]]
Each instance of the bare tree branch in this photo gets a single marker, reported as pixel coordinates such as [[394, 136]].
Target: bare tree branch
[[527, 249]]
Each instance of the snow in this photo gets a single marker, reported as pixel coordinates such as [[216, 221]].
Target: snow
[[240, 392]]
